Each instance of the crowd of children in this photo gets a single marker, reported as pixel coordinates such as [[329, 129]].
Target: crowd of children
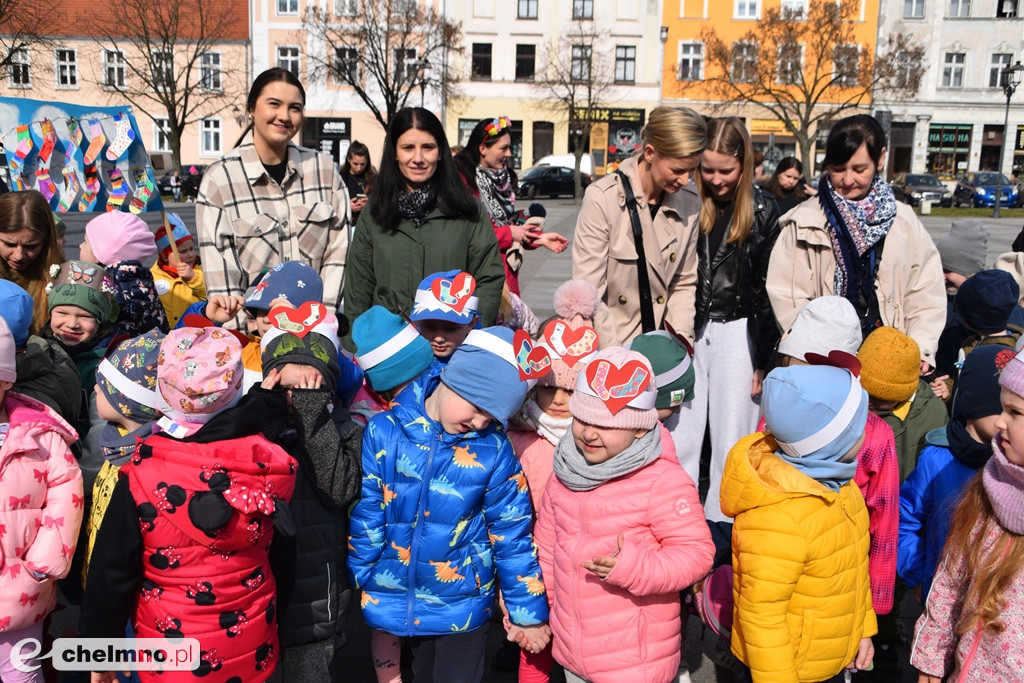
[[177, 478]]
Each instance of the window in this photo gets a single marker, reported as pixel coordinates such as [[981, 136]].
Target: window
[[746, 9], [908, 70], [210, 142], [959, 8], [161, 135], [527, 9], [790, 60], [1000, 60], [625, 64], [18, 73], [287, 6], [582, 9], [113, 69], [481, 62], [209, 72], [744, 62], [346, 65], [847, 64], [400, 7], [913, 9], [526, 62], [346, 8], [579, 70], [691, 62], [953, 70], [1006, 9], [66, 77], [288, 58], [406, 64], [794, 9], [161, 68]]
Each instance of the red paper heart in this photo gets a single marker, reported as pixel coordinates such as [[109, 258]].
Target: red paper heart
[[835, 359], [617, 386], [576, 344], [533, 361], [299, 321], [196, 320], [454, 293]]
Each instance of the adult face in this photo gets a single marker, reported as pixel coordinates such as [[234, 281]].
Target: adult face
[[670, 174], [278, 114], [852, 180], [720, 174], [789, 178], [495, 156], [357, 164], [20, 249], [417, 153]]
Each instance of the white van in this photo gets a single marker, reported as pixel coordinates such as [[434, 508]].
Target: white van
[[569, 161]]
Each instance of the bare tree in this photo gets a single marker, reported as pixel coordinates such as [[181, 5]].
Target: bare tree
[[23, 24], [805, 68], [173, 59], [576, 83], [382, 49]]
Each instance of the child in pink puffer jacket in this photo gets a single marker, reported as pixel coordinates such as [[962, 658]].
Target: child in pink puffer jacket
[[41, 506], [621, 531]]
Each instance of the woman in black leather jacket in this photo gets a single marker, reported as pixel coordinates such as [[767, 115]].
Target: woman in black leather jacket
[[736, 330]]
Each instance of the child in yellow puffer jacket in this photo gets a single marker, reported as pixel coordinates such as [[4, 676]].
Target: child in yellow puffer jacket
[[179, 280], [800, 537]]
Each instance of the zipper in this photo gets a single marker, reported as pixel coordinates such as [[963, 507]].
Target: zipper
[[575, 584], [410, 595]]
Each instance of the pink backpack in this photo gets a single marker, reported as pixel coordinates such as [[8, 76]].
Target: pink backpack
[[713, 602]]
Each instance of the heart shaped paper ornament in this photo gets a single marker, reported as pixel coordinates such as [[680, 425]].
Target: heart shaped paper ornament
[[454, 293], [533, 361], [835, 359], [571, 345], [617, 386], [299, 321]]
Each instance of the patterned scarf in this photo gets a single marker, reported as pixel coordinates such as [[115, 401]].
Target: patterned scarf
[[855, 227], [497, 193], [415, 205]]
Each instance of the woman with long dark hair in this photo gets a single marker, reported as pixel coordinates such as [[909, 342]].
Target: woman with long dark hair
[[358, 174], [269, 201], [788, 184], [421, 219], [29, 245], [484, 165]]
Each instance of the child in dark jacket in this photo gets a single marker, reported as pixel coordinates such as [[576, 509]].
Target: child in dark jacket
[[183, 547]]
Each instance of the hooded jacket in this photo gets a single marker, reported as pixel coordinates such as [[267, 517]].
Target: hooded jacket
[[442, 519], [137, 299], [800, 554], [47, 374], [40, 510]]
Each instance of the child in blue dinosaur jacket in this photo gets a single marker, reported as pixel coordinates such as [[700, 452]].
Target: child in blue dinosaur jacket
[[445, 511]]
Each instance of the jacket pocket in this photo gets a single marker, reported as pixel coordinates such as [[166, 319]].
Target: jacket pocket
[[805, 633], [317, 212], [254, 226], [621, 246]]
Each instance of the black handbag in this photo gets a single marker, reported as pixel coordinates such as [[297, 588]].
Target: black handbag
[[647, 323]]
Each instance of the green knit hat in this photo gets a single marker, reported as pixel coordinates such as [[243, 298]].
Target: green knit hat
[[672, 363], [86, 285]]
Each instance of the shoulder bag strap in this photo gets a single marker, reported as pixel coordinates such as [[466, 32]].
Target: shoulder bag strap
[[647, 323]]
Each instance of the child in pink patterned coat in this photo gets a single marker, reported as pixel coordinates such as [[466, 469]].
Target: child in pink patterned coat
[[41, 506]]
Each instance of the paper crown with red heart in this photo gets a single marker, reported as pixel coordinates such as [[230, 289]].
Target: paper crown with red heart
[[617, 390], [311, 316], [571, 348], [446, 296]]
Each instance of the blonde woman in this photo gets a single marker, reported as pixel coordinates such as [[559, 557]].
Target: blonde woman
[[604, 248]]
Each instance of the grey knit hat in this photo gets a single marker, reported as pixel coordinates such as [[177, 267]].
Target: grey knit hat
[[963, 250]]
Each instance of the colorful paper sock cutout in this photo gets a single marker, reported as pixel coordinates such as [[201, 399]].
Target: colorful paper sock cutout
[[71, 188], [49, 141], [118, 191], [24, 145], [92, 189], [75, 140], [45, 184], [144, 189], [124, 137], [98, 140]]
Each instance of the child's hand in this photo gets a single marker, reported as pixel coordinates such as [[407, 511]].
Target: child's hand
[[925, 678], [939, 387], [220, 308], [865, 653], [532, 638], [601, 567], [185, 272], [553, 241], [296, 376]]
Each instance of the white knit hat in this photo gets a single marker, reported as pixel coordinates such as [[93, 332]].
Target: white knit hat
[[828, 323]]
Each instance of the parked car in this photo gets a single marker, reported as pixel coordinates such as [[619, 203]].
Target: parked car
[[914, 187], [550, 181], [189, 181], [979, 189], [569, 161]]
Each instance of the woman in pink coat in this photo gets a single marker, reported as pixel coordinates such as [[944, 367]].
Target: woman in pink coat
[[621, 531], [40, 512]]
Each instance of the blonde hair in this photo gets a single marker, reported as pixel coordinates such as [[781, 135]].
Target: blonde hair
[[729, 136], [29, 209], [675, 132]]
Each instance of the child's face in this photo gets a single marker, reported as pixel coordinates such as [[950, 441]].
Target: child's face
[[953, 281], [880, 406], [984, 428], [257, 321], [73, 325], [187, 252], [104, 409], [5, 386], [554, 401], [85, 252], [601, 444], [444, 336], [456, 414], [1010, 424]]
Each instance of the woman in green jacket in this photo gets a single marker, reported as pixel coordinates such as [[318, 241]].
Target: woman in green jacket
[[421, 220]]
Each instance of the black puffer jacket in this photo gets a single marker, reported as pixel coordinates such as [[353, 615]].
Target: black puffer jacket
[[739, 273]]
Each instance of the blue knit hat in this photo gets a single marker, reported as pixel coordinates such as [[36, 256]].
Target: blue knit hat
[[294, 281], [389, 350], [815, 412], [127, 377], [976, 393], [486, 371], [986, 300], [16, 308], [446, 296]]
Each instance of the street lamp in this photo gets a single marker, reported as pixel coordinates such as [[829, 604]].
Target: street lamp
[[1010, 77], [421, 66]]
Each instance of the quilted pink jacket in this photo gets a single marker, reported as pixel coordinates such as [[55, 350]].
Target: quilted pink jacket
[[626, 628], [40, 510]]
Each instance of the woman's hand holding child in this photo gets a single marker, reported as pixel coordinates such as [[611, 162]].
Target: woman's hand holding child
[[601, 567]]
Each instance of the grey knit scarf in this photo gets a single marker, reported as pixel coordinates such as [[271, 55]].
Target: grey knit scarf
[[577, 474]]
